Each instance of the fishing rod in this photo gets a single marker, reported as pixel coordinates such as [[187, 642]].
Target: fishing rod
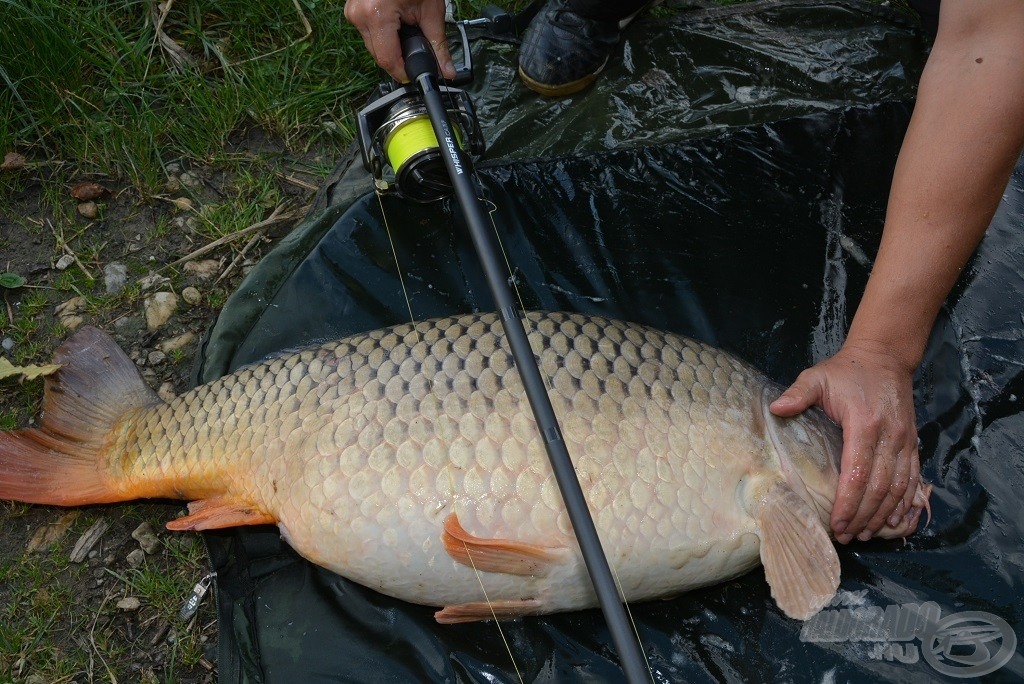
[[430, 163]]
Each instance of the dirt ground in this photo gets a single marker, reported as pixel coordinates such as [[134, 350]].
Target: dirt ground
[[113, 616]]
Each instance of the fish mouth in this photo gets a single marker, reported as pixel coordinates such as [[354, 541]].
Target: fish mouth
[[908, 525]]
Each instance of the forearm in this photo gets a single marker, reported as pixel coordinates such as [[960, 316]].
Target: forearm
[[964, 138]]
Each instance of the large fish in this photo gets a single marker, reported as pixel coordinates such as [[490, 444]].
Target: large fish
[[407, 460]]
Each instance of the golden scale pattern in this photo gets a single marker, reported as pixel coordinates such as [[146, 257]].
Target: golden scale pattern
[[424, 417]]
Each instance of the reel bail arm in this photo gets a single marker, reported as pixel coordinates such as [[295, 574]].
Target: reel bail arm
[[422, 68]]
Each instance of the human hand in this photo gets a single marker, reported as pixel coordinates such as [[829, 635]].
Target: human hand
[[378, 22], [869, 393]]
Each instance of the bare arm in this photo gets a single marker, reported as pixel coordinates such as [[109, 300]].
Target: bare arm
[[378, 22], [965, 136]]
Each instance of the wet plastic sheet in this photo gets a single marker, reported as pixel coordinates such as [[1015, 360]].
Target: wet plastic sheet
[[727, 180]]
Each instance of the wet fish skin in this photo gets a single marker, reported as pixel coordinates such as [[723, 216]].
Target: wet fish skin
[[407, 460]]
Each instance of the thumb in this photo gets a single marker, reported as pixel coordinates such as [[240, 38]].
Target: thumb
[[804, 393]]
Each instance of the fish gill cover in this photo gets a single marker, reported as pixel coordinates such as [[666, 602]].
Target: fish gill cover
[[726, 179]]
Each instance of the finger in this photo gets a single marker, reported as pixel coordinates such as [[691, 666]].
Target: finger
[[913, 482], [883, 464], [854, 475], [432, 25], [892, 505], [804, 393]]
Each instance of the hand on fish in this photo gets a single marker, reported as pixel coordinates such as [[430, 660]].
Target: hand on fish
[[871, 397], [407, 459]]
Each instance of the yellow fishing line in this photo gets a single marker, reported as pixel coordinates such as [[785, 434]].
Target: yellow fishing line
[[409, 138]]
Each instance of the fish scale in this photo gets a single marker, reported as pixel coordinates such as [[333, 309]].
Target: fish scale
[[408, 459]]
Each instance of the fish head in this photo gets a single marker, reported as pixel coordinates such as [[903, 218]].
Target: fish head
[[809, 448]]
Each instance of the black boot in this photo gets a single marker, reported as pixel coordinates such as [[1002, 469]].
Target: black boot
[[568, 43]]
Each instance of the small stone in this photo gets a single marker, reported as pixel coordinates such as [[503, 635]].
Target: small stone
[[8, 343], [166, 392], [188, 180], [68, 313], [191, 295], [115, 276], [64, 262], [173, 168], [172, 184], [182, 203], [129, 604], [153, 281], [146, 538], [136, 558], [159, 308], [175, 343], [88, 210], [203, 270], [99, 573], [72, 323], [12, 162], [156, 357]]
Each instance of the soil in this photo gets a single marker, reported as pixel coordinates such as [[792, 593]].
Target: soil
[[92, 638]]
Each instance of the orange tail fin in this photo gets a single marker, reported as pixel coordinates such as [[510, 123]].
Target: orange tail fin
[[62, 462]]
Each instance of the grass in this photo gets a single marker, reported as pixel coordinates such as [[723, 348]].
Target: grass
[[95, 85]]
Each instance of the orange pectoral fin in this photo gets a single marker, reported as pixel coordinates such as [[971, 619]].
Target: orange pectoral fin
[[495, 610], [220, 512], [497, 555]]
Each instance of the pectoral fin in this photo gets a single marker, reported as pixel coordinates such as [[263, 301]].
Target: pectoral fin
[[216, 513], [497, 555], [474, 612], [800, 561]]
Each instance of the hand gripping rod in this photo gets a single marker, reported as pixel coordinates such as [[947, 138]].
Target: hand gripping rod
[[422, 68]]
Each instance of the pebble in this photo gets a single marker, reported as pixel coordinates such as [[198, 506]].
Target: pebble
[[115, 276], [146, 538], [204, 269], [191, 295], [182, 203], [64, 262], [99, 573], [129, 604], [156, 357], [172, 184], [152, 281], [136, 558], [182, 340], [173, 168], [188, 180], [7, 344], [166, 392], [88, 210], [159, 308]]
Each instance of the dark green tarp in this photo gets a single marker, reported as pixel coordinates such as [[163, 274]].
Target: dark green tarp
[[726, 179]]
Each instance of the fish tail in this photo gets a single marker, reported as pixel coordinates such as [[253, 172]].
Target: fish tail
[[63, 461]]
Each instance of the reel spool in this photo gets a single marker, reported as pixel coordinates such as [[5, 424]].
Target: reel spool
[[398, 143]]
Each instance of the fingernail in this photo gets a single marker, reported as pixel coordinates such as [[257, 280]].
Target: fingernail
[[840, 527], [865, 535], [894, 519], [844, 538]]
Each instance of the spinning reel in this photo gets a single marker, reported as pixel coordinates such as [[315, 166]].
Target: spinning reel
[[398, 143]]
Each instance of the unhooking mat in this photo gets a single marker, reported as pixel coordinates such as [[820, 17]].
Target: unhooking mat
[[725, 179]]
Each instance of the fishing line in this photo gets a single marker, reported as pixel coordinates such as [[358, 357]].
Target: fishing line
[[398, 266], [547, 382], [480, 581]]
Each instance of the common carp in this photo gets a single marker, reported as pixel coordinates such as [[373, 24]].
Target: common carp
[[407, 459]]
